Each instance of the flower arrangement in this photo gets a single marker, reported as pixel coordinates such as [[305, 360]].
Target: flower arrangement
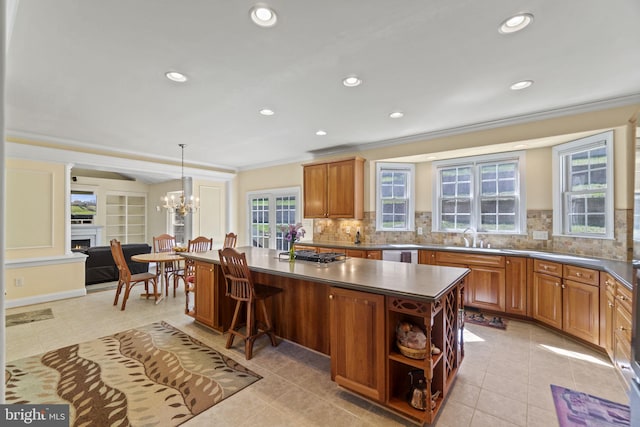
[[292, 233]]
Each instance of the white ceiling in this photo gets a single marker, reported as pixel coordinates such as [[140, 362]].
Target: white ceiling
[[91, 72]]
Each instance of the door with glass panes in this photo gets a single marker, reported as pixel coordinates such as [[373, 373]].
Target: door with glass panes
[[269, 214]]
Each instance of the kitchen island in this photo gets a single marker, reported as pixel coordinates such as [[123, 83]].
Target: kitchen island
[[349, 310]]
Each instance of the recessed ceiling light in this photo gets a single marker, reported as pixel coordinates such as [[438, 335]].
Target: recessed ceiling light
[[263, 16], [515, 23], [321, 132], [521, 85], [351, 81], [176, 76], [267, 112], [396, 114]]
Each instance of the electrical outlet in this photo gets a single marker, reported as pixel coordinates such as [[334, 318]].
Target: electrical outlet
[[540, 235], [419, 231], [347, 230], [19, 281]]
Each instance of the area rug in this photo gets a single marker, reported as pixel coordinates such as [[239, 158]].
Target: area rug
[[154, 375], [28, 317], [575, 409], [479, 318]]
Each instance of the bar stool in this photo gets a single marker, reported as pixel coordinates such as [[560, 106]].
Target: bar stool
[[240, 286]]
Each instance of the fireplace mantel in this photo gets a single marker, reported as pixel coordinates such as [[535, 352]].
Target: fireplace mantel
[[90, 232]]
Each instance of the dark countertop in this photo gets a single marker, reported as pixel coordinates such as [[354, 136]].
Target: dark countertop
[[414, 281], [622, 271]]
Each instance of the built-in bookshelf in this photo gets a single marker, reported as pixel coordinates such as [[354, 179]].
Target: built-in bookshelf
[[126, 218]]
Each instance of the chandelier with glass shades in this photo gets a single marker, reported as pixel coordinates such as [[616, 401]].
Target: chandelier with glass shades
[[181, 206]]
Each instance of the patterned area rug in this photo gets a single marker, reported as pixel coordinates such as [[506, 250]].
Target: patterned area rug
[[575, 409], [154, 375], [479, 318], [28, 317]]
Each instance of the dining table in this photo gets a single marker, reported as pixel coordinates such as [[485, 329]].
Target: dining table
[[162, 258]]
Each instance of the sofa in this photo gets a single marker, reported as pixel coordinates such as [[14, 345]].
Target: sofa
[[100, 267]]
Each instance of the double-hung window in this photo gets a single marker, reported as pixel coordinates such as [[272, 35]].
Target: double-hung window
[[395, 196], [583, 187], [484, 193]]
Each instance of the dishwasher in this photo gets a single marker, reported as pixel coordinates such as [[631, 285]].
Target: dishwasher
[[400, 255]]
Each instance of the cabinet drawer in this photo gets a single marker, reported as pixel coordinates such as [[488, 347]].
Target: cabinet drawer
[[624, 297], [547, 267], [581, 274], [623, 324], [470, 259]]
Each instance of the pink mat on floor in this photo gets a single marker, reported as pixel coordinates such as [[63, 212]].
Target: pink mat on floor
[[575, 409]]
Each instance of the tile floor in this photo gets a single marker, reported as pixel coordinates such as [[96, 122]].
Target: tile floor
[[504, 379]]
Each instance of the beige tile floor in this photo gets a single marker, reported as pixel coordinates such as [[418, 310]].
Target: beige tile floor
[[504, 379]]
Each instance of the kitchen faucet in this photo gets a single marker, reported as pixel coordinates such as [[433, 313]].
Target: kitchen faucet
[[474, 234]]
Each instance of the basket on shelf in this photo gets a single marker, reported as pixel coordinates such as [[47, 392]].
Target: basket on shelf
[[413, 353]]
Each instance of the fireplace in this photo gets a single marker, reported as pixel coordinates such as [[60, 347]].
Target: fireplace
[[83, 236], [80, 245]]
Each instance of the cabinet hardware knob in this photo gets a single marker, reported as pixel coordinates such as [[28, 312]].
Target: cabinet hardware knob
[[330, 296], [508, 262], [611, 304], [622, 328], [578, 274], [621, 298], [557, 284], [546, 267], [564, 287]]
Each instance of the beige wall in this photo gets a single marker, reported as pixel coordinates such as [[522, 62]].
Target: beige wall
[[36, 246], [538, 160]]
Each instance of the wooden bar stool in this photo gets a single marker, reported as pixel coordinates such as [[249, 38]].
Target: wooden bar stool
[[240, 286]]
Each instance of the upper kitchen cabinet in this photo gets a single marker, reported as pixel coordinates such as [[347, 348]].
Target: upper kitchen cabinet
[[334, 189]]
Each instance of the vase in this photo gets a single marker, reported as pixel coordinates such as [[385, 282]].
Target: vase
[[292, 253]]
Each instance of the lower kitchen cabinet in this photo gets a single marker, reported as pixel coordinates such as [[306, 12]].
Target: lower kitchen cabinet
[[516, 286], [581, 310], [547, 299], [357, 334], [205, 285]]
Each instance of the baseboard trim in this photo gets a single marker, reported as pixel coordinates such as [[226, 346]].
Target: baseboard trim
[[38, 299]]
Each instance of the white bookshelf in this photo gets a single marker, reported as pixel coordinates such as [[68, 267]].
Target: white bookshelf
[[126, 217]]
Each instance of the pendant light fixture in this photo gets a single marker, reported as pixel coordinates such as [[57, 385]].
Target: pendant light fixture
[[182, 207]]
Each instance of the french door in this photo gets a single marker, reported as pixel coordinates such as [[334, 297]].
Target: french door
[[269, 212]]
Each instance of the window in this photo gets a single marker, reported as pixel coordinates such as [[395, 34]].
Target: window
[[268, 212], [394, 201], [583, 187], [485, 193]]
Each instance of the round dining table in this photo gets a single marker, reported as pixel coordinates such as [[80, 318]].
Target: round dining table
[[161, 258]]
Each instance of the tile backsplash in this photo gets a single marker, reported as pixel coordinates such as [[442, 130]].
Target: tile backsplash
[[620, 248]]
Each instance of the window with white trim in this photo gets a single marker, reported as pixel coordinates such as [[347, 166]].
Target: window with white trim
[[583, 187], [485, 193], [395, 196]]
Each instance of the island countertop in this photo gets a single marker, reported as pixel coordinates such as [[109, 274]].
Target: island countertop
[[415, 281]]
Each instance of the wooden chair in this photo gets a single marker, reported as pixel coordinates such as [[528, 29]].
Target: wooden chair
[[166, 243], [128, 280], [199, 244], [240, 286], [230, 240]]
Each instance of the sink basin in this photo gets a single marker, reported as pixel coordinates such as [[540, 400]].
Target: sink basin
[[406, 245]]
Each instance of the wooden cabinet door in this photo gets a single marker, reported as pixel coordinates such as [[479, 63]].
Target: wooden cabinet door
[[356, 253], [581, 305], [516, 285], [547, 299], [374, 255], [357, 342], [315, 191], [342, 190], [485, 288], [426, 257], [204, 304]]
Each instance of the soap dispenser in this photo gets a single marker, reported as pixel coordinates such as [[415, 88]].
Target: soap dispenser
[[357, 241]]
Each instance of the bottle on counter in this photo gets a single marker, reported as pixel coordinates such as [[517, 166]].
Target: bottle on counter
[[357, 241]]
